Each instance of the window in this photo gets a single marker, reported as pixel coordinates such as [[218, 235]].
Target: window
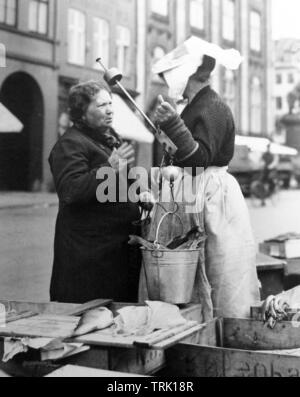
[[197, 14], [160, 7], [278, 79], [229, 20], [101, 41], [76, 37], [256, 106], [38, 16], [278, 103], [8, 12], [123, 49], [255, 31], [291, 79], [229, 90]]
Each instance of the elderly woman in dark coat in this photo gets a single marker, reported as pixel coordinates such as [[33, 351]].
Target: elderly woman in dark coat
[[92, 258]]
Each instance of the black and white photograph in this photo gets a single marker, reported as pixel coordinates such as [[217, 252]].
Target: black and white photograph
[[149, 191]]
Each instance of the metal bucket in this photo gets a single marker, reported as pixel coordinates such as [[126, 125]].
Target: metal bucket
[[170, 275]]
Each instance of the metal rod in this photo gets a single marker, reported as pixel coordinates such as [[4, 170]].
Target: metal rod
[[136, 105], [130, 98], [169, 147]]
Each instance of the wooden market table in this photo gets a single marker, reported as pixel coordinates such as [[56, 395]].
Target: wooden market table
[[271, 273], [107, 356], [224, 347]]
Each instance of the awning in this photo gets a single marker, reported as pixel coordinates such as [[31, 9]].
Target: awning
[[261, 145], [8, 122], [127, 124]]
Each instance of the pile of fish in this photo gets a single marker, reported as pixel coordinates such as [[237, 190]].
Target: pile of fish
[[131, 320], [274, 309], [190, 241]]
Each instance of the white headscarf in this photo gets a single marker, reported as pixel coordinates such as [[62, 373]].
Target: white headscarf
[[181, 63]]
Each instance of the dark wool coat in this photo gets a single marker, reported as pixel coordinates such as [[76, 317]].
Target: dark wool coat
[[205, 132], [92, 258]]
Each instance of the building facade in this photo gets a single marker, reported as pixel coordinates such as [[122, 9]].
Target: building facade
[[287, 73], [244, 25], [52, 44], [28, 88]]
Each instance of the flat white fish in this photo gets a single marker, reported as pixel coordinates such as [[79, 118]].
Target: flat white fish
[[94, 320]]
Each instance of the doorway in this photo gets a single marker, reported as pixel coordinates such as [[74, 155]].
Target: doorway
[[21, 154]]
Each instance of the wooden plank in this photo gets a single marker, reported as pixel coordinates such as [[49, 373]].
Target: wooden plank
[[19, 316], [108, 337], [166, 344], [46, 326], [66, 309], [254, 335], [15, 307], [186, 360], [72, 371], [87, 306], [136, 361], [266, 263], [166, 338]]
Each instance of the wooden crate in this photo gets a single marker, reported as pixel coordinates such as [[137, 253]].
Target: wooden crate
[[243, 348], [135, 360]]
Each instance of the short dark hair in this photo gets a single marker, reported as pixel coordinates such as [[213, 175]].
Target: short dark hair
[[81, 96], [204, 71]]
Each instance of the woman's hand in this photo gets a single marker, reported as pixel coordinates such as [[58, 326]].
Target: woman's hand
[[165, 112], [122, 157], [147, 201]]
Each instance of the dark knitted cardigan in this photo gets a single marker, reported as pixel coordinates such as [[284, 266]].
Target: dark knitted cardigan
[[205, 132]]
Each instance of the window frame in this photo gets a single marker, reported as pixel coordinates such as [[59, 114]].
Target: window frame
[[291, 78], [279, 79], [4, 23], [100, 18], [159, 15], [259, 14], [256, 83], [37, 32], [279, 101], [230, 81], [194, 27], [71, 62], [126, 65], [224, 18]]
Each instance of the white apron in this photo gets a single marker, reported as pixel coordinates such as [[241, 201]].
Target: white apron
[[226, 282]]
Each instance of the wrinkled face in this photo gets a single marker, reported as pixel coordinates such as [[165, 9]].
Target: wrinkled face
[[100, 112]]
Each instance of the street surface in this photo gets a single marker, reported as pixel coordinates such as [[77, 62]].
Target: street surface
[[26, 242]]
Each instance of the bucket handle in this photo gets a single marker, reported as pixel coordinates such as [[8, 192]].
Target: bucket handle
[[156, 242]]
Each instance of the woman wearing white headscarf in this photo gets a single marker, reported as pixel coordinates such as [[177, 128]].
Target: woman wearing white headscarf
[[205, 136]]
